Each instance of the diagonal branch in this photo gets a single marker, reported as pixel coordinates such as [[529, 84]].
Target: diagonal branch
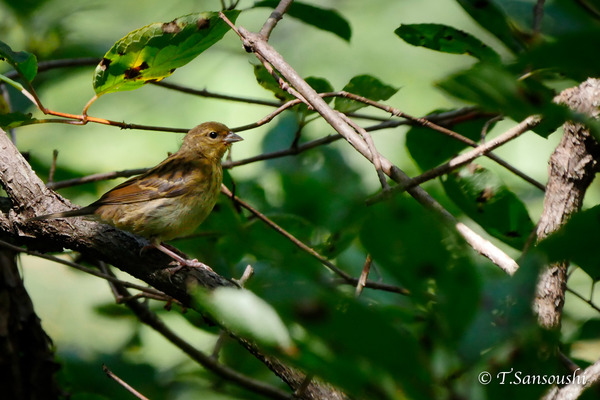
[[255, 43], [274, 18], [428, 122], [580, 382], [347, 278], [465, 158]]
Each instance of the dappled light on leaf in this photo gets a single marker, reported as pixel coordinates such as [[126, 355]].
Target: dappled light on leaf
[[154, 52]]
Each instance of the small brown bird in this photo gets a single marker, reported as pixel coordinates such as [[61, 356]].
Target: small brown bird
[[171, 199]]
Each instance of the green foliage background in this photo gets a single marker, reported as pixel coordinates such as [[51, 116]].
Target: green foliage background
[[463, 316]]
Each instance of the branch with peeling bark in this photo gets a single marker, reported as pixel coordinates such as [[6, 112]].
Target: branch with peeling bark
[[571, 170]]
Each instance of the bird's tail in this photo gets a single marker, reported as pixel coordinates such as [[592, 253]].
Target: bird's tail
[[64, 214]]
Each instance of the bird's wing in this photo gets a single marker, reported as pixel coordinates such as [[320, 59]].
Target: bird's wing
[[171, 178]]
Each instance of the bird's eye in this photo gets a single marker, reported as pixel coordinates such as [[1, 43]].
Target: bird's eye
[[213, 135]]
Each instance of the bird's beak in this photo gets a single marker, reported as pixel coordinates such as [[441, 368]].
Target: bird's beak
[[232, 138]]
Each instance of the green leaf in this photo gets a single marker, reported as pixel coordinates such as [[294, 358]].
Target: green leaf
[[455, 308], [247, 315], [267, 81], [321, 85], [493, 19], [483, 197], [577, 241], [431, 148], [495, 89], [4, 107], [154, 52], [113, 310], [24, 8], [15, 119], [589, 330], [393, 234], [366, 370], [505, 310], [365, 86], [569, 55], [325, 19], [25, 63], [447, 40]]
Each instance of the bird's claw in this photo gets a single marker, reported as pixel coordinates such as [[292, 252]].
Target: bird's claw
[[189, 263]]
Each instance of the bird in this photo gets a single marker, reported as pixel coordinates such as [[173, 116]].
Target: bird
[[170, 200]]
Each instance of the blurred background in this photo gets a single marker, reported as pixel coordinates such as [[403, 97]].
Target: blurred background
[[55, 29]]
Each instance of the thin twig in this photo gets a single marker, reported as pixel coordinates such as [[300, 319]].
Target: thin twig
[[580, 297], [347, 278], [462, 159], [486, 126], [538, 15], [274, 18], [270, 116], [248, 272], [121, 382], [568, 363], [150, 318], [374, 153], [429, 123], [363, 276], [95, 178], [43, 66], [53, 166], [208, 94], [303, 386]]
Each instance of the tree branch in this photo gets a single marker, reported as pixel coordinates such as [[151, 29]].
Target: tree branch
[[586, 379], [29, 196], [347, 278], [465, 158], [274, 18], [571, 170], [150, 318], [255, 43]]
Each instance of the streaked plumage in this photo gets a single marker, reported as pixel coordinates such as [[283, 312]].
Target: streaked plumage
[[171, 199]]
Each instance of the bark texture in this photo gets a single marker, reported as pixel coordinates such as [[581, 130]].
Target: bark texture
[[571, 169], [27, 366]]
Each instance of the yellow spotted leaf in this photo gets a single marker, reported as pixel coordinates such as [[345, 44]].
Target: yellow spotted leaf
[[154, 52]]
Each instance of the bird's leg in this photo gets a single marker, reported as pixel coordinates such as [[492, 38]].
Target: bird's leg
[[182, 261]]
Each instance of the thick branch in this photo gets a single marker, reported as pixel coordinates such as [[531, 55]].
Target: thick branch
[[29, 197], [27, 366], [572, 168]]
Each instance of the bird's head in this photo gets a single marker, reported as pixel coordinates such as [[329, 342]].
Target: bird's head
[[211, 139]]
